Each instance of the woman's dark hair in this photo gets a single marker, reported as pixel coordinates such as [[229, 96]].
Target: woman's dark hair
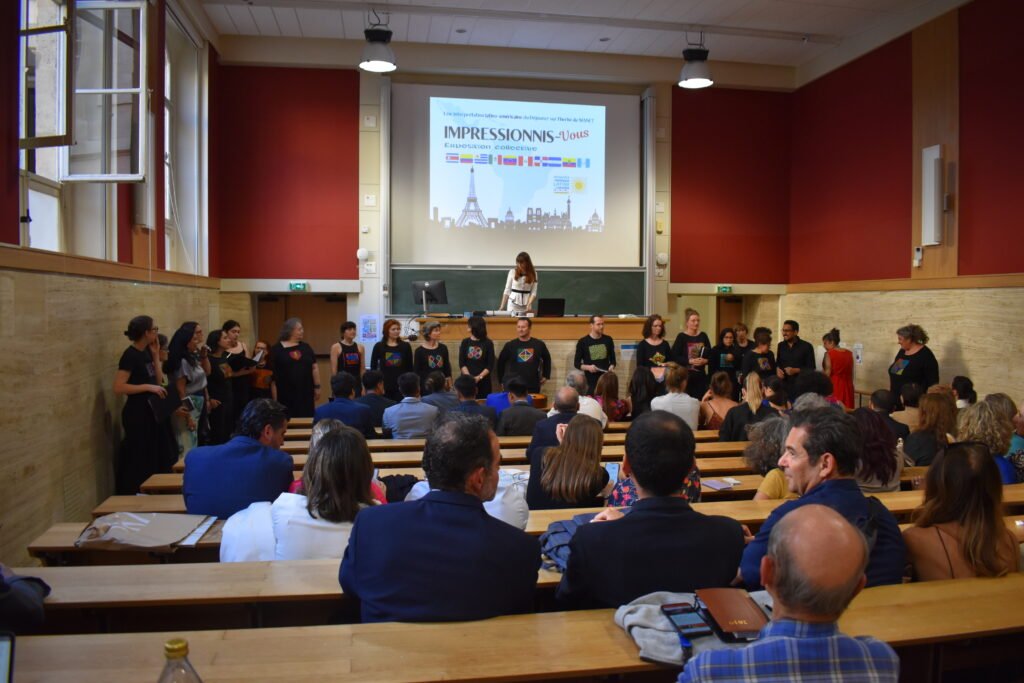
[[779, 396], [642, 388], [163, 341], [762, 336], [964, 388], [259, 413], [813, 382], [228, 326], [478, 327], [878, 460], [725, 331], [347, 325], [721, 384], [336, 479], [213, 340], [607, 389], [649, 326], [138, 327], [177, 350], [286, 330], [524, 267], [831, 336]]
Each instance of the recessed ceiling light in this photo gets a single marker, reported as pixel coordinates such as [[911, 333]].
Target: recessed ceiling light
[[460, 30], [605, 39]]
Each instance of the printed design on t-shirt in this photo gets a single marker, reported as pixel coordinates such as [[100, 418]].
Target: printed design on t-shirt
[[295, 354], [525, 355], [764, 364], [392, 359], [597, 352], [694, 349], [899, 366], [659, 357], [474, 352], [151, 370], [435, 362], [352, 358], [723, 360]]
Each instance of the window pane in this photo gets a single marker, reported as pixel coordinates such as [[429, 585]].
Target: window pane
[[106, 135], [44, 230], [107, 37], [42, 64], [36, 13]]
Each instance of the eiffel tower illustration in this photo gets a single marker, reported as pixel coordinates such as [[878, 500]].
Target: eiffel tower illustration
[[471, 213]]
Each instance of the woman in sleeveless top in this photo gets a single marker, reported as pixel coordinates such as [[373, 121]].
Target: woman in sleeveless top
[[717, 401], [240, 379], [838, 365], [347, 356]]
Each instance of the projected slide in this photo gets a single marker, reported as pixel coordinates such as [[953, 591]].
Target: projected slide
[[516, 167]]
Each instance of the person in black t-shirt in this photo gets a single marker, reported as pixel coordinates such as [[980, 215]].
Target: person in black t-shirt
[[296, 383], [431, 355], [393, 357], [653, 351], [220, 409], [595, 353], [725, 357], [476, 355], [761, 359], [526, 358], [691, 350], [348, 356], [793, 357], [914, 363]]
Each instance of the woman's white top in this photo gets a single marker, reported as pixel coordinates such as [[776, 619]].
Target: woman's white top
[[681, 404], [518, 292], [282, 530]]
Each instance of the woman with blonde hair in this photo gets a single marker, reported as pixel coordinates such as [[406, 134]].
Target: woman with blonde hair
[[570, 475], [983, 423], [750, 410], [935, 429], [958, 531]]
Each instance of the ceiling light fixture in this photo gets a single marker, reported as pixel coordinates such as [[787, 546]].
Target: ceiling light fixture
[[378, 57], [695, 73]]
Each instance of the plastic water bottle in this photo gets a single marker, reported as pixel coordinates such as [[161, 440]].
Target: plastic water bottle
[[178, 669]]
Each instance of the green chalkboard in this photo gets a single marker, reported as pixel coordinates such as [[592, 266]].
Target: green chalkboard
[[585, 292]]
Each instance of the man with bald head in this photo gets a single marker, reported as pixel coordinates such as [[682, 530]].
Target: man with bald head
[[576, 379], [567, 406], [823, 450], [803, 641]]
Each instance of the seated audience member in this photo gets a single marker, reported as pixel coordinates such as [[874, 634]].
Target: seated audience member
[[910, 397], [314, 524], [958, 531], [642, 390], [411, 418], [465, 390], [943, 389], [751, 410], [822, 453], [936, 427], [570, 474], [626, 493], [373, 396], [663, 544], [981, 422], [344, 408], [767, 440], [882, 402], [221, 480], [438, 394], [577, 379], [501, 400], [21, 601], [606, 393], [775, 396], [520, 417], [812, 401], [325, 426], [442, 557], [880, 465], [803, 642], [566, 407], [677, 401], [813, 382], [963, 392], [717, 402], [1005, 406]]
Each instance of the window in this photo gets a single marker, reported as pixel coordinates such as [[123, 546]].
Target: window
[[45, 74]]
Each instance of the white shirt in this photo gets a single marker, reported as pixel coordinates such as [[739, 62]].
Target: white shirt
[[517, 301], [591, 408], [282, 530], [681, 404], [509, 503]]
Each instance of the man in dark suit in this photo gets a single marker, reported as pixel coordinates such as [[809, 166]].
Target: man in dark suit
[[662, 544], [465, 389], [882, 402], [373, 396], [520, 418], [567, 405], [442, 557], [351, 414]]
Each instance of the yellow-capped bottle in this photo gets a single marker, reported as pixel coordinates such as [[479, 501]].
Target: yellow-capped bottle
[[178, 669]]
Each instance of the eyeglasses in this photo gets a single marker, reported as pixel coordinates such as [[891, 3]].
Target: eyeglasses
[[154, 329]]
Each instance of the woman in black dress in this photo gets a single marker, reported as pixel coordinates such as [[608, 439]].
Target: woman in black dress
[[296, 383], [653, 351], [392, 357], [725, 358], [914, 362], [240, 379], [148, 445], [691, 350], [431, 355], [476, 355], [220, 410], [348, 356]]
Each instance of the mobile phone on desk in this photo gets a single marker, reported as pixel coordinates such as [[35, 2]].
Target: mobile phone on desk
[[686, 619], [613, 470]]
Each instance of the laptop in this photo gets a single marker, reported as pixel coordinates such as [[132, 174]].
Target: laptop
[[550, 308]]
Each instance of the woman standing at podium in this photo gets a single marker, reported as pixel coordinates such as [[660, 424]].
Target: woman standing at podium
[[520, 286]]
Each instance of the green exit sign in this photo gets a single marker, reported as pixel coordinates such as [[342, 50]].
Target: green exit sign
[[298, 286], [724, 289]]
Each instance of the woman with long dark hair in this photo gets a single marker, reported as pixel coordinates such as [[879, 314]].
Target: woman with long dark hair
[[296, 374], [642, 390], [725, 357], [148, 445], [476, 355], [187, 366], [240, 379], [220, 410], [880, 465], [392, 356], [520, 286]]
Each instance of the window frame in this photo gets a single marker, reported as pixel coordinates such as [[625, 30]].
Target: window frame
[[67, 105]]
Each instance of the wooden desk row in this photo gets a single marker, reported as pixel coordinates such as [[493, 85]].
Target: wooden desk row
[[524, 647], [614, 430]]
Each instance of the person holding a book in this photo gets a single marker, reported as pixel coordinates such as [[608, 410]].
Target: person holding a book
[[692, 350]]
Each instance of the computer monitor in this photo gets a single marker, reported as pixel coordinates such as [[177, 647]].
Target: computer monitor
[[550, 308], [429, 292]]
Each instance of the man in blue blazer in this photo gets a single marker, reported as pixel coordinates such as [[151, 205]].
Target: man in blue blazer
[[442, 557], [465, 389], [344, 408]]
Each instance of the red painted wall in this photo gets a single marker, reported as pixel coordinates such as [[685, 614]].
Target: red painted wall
[[9, 226], [991, 137], [285, 194], [851, 175], [730, 186]]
